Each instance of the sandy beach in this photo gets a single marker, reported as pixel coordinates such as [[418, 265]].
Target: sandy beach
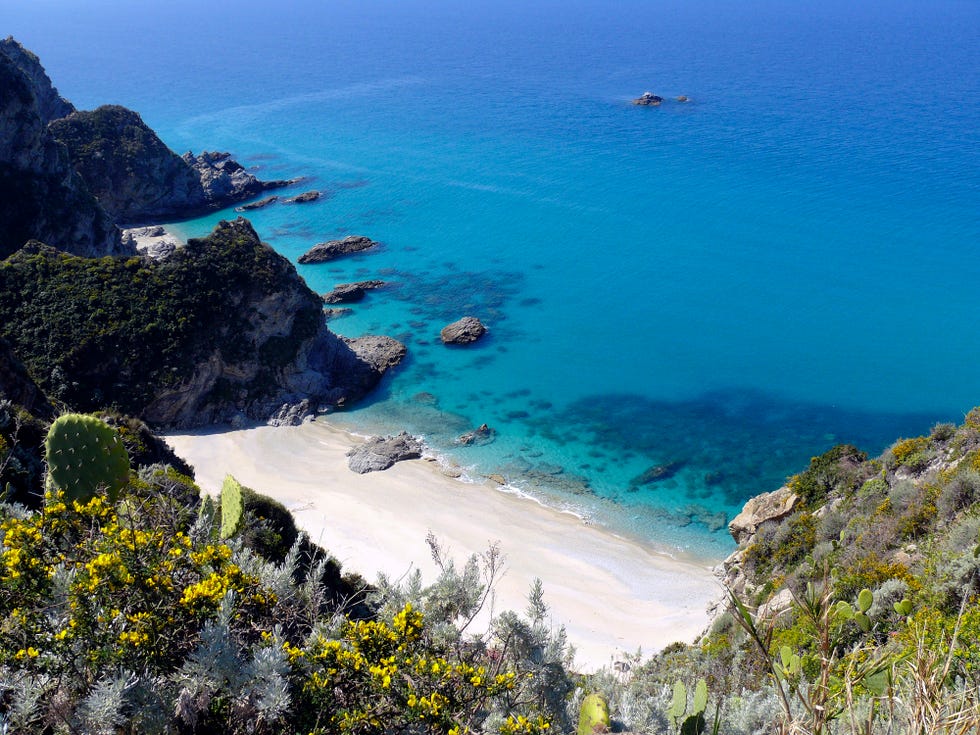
[[612, 595]]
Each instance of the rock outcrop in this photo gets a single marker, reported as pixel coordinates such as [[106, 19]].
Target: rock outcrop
[[325, 251], [380, 453], [257, 205], [304, 198], [224, 329], [137, 178], [772, 506], [346, 293], [51, 105], [463, 332], [41, 195]]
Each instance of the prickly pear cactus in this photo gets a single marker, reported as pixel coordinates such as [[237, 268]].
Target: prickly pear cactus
[[594, 715], [84, 455], [232, 507]]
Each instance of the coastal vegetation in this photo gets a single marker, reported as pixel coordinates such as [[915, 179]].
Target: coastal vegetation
[[162, 611]]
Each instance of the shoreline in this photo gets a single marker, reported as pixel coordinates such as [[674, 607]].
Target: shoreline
[[614, 595]]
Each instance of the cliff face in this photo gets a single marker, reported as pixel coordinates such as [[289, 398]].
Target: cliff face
[[126, 166], [41, 196], [137, 178], [221, 330], [51, 105]]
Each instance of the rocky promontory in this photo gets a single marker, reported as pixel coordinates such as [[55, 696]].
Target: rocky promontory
[[325, 251], [223, 329], [137, 178]]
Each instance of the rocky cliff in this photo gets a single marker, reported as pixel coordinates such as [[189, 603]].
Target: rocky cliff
[[51, 105], [137, 178], [41, 195], [222, 330]]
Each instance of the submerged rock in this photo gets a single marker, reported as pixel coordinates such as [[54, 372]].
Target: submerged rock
[[380, 453], [649, 99], [656, 473], [463, 332], [481, 435], [325, 251]]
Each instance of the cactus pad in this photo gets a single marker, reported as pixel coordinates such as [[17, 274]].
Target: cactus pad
[[232, 507], [85, 454], [594, 715]]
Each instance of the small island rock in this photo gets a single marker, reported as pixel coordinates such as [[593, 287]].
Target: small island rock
[[380, 453], [306, 196], [479, 436], [649, 99], [257, 205], [324, 251], [463, 332], [346, 293]]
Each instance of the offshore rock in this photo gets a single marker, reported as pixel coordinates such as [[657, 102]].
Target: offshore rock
[[345, 293], [41, 195], [304, 198], [648, 99], [325, 251], [380, 453], [463, 332]]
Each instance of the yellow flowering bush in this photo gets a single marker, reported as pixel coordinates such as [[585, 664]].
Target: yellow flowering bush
[[379, 676]]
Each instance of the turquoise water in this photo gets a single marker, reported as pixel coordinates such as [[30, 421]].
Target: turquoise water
[[724, 287]]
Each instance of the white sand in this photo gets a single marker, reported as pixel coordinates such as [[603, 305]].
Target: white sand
[[612, 595]]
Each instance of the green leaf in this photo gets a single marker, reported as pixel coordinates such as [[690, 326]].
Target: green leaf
[[904, 607], [863, 621], [786, 656], [678, 705], [865, 598], [700, 697]]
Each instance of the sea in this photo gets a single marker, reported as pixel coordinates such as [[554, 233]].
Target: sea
[[685, 302]]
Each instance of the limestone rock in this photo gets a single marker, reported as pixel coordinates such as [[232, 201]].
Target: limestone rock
[[463, 332], [324, 251], [766, 507], [649, 99], [380, 453]]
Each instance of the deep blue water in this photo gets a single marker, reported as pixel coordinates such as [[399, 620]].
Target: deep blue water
[[726, 286]]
